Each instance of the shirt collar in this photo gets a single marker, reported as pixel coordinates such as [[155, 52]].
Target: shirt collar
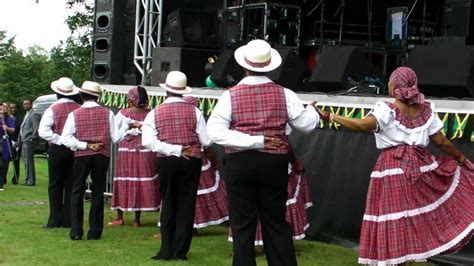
[[173, 100], [89, 104], [64, 100], [254, 80]]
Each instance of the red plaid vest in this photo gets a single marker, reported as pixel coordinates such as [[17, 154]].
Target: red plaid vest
[[259, 110], [93, 126], [60, 113], [176, 124]]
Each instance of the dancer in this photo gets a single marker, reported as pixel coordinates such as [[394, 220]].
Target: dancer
[[250, 121], [418, 205], [177, 131], [60, 157], [135, 186]]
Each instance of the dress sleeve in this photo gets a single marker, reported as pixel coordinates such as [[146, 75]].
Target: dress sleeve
[[383, 114], [436, 125]]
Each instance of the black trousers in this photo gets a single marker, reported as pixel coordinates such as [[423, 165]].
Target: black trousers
[[257, 188], [97, 166], [179, 179], [60, 166], [2, 169], [16, 166]]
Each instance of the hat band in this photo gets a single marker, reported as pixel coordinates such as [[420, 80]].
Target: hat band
[[174, 87], [65, 91], [257, 65], [90, 91]]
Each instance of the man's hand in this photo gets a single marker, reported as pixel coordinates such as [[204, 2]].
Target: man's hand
[[272, 143], [134, 125], [188, 153], [95, 146]]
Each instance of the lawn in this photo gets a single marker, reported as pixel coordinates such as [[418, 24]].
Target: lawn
[[24, 209]]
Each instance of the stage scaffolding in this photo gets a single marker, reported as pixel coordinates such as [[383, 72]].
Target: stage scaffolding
[[148, 29]]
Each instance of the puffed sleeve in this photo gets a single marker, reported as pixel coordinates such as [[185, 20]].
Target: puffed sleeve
[[436, 124], [383, 114]]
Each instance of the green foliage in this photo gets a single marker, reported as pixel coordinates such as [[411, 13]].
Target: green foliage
[[28, 74]]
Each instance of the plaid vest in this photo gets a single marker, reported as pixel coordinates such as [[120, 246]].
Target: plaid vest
[[259, 110], [176, 124], [93, 126], [60, 113]]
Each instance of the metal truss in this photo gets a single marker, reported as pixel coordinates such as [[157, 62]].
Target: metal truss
[[147, 35]]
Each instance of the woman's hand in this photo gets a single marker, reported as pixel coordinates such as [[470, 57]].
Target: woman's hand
[[326, 116]]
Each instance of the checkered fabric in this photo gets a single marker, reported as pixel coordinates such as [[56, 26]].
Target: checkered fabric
[[418, 206], [295, 210], [412, 122], [93, 126], [176, 124], [60, 113], [405, 85], [259, 110], [211, 207], [135, 186]]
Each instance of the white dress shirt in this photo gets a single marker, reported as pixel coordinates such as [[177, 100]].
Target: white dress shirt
[[69, 138], [45, 130], [304, 120], [150, 134]]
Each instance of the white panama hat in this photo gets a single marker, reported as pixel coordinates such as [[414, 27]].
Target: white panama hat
[[176, 83], [257, 56]]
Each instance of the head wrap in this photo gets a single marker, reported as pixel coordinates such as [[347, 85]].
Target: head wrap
[[133, 96], [405, 86]]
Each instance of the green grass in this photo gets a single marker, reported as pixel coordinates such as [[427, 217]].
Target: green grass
[[24, 209]]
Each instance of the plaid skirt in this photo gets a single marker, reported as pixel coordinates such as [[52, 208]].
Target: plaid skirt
[[298, 201], [418, 206], [211, 200], [135, 186]]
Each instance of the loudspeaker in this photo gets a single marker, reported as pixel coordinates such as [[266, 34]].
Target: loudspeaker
[[108, 41], [229, 28], [457, 18], [226, 72], [191, 28], [292, 71], [339, 66], [190, 61], [444, 71]]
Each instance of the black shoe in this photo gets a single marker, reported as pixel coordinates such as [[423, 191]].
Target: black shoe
[[45, 226], [14, 181], [75, 238], [158, 257]]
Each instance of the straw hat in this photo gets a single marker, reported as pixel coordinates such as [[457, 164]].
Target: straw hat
[[90, 87], [176, 83], [257, 56], [64, 86]]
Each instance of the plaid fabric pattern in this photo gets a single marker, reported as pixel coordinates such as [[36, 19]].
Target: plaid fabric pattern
[[412, 122], [135, 185], [60, 113], [295, 212], [433, 199], [92, 125], [211, 208], [405, 85], [259, 110], [176, 124]]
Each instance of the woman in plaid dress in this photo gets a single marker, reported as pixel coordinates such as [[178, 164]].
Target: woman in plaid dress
[[418, 205], [135, 186]]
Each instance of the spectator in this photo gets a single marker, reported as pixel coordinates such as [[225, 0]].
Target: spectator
[[29, 140]]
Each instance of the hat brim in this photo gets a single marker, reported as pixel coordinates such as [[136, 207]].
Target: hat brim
[[93, 93], [54, 86], [275, 62], [185, 91]]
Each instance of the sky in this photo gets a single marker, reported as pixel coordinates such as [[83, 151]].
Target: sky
[[33, 23]]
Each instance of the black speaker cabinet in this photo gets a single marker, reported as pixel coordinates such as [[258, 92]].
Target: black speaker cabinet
[[292, 71], [457, 18], [190, 61], [444, 71], [226, 72], [337, 66]]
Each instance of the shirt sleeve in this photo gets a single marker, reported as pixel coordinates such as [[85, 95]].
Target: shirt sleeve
[[201, 129], [435, 126], [383, 114], [45, 130], [218, 128], [69, 135], [114, 130], [300, 118], [150, 138]]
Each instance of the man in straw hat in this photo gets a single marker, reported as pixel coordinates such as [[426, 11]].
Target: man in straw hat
[[177, 131], [89, 132], [249, 121], [60, 157]]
